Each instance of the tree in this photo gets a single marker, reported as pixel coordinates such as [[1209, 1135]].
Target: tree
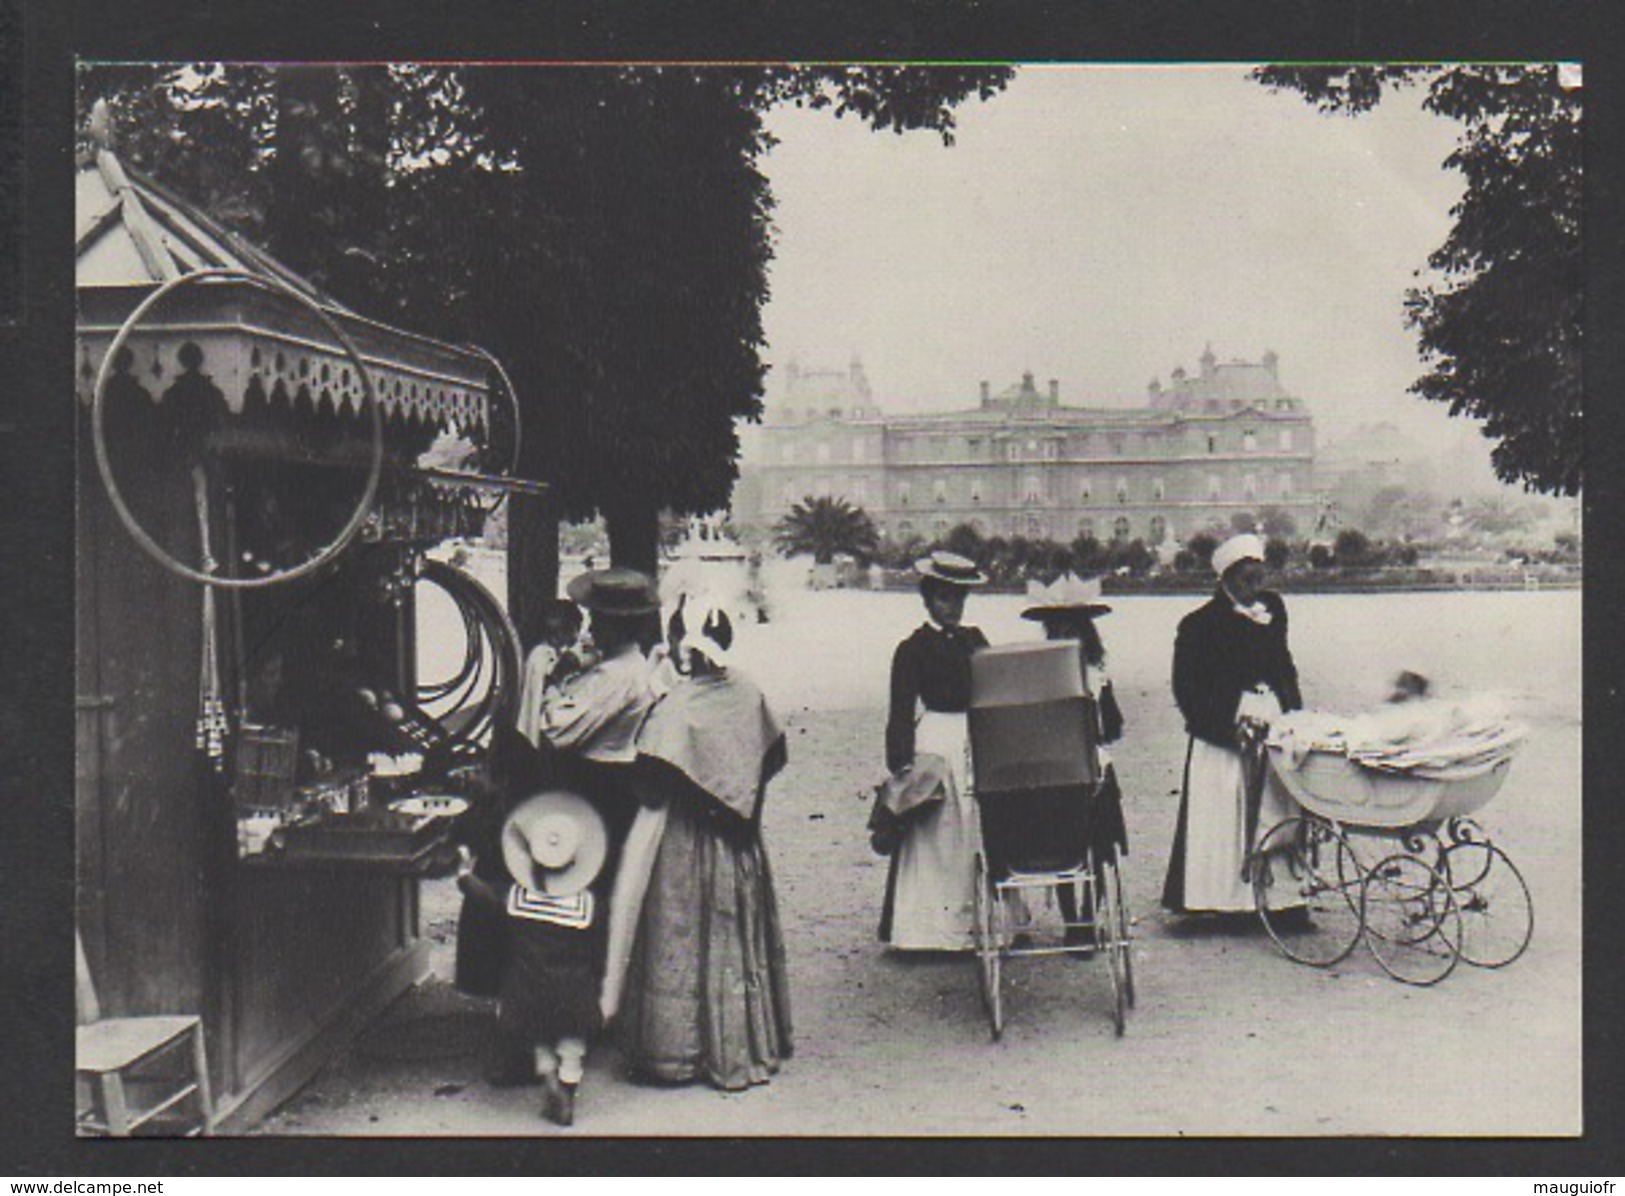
[[1201, 546], [1243, 523], [1500, 331], [606, 233], [825, 528], [1277, 552], [1351, 549]]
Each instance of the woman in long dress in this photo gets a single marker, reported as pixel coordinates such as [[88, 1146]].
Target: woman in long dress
[[933, 833], [696, 974], [1232, 666]]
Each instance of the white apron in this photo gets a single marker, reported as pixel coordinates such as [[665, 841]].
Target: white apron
[[1216, 844], [933, 903]]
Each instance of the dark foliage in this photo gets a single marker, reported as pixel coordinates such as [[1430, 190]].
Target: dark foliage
[[1500, 331]]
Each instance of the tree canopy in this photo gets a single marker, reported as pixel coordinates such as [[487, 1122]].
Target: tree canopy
[[1500, 327], [605, 231]]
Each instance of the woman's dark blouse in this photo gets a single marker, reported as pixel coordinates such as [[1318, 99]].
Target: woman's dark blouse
[[932, 668], [1219, 655]]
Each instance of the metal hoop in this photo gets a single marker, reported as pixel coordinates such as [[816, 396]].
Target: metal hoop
[[105, 467]]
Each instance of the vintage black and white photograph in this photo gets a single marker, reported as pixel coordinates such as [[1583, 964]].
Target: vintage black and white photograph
[[775, 599]]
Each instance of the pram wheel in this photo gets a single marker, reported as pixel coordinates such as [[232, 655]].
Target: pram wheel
[[1122, 921], [1412, 922], [989, 946], [1497, 914], [1307, 890], [1111, 940]]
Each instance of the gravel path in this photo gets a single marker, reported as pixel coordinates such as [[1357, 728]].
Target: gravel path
[[1228, 1038]]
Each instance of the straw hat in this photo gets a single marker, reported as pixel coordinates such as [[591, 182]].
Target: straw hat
[[615, 591], [1066, 595], [951, 568], [1245, 547], [554, 843]]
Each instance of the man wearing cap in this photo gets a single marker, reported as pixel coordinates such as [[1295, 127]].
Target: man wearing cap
[[1233, 671], [926, 820]]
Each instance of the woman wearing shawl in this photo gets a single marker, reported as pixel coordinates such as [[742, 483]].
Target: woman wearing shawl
[[924, 817], [696, 966]]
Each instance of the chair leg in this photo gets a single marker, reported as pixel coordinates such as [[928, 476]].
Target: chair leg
[[114, 1105], [200, 1061]]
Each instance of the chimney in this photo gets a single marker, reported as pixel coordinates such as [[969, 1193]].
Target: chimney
[[1055, 390], [984, 394]]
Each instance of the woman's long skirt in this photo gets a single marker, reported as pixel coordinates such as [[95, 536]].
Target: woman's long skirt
[[707, 992], [1210, 842], [930, 893]]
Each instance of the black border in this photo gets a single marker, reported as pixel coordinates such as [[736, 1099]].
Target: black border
[[37, 477]]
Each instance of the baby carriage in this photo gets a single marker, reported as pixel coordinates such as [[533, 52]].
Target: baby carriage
[[1037, 783], [1392, 859]]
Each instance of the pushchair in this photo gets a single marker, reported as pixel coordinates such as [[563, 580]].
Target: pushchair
[[1039, 790]]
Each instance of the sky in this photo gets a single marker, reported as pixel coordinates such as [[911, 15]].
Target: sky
[[1103, 225]]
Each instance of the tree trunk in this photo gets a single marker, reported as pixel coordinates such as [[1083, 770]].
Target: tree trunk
[[634, 536], [533, 563]]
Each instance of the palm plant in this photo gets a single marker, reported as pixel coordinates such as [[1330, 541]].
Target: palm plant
[[825, 528]]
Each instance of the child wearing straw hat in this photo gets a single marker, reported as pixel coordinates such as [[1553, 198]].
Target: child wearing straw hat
[[554, 846]]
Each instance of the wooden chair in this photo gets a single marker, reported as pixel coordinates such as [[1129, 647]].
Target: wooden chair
[[113, 1055]]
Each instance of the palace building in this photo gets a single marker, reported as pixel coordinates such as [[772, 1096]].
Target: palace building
[[1197, 451]]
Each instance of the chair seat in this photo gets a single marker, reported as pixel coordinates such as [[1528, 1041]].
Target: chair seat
[[115, 1043]]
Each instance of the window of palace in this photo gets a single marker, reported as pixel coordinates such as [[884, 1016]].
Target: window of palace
[[1286, 440], [859, 490], [1122, 489], [1249, 486], [902, 494], [973, 448], [1086, 527], [939, 528], [1086, 490], [1032, 488], [1159, 529], [976, 490], [1121, 529], [1159, 489], [905, 529], [1116, 445], [1213, 485], [1035, 527], [1212, 444], [1283, 485], [1249, 441], [939, 490]]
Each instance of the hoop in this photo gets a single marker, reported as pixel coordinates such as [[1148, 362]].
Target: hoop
[[104, 464]]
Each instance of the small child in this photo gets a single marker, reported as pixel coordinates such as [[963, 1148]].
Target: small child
[[553, 845], [558, 656]]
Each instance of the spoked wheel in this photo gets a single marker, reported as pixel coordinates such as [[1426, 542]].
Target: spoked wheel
[[1114, 878], [1306, 888], [1109, 943], [989, 946], [1497, 913], [1412, 921]]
